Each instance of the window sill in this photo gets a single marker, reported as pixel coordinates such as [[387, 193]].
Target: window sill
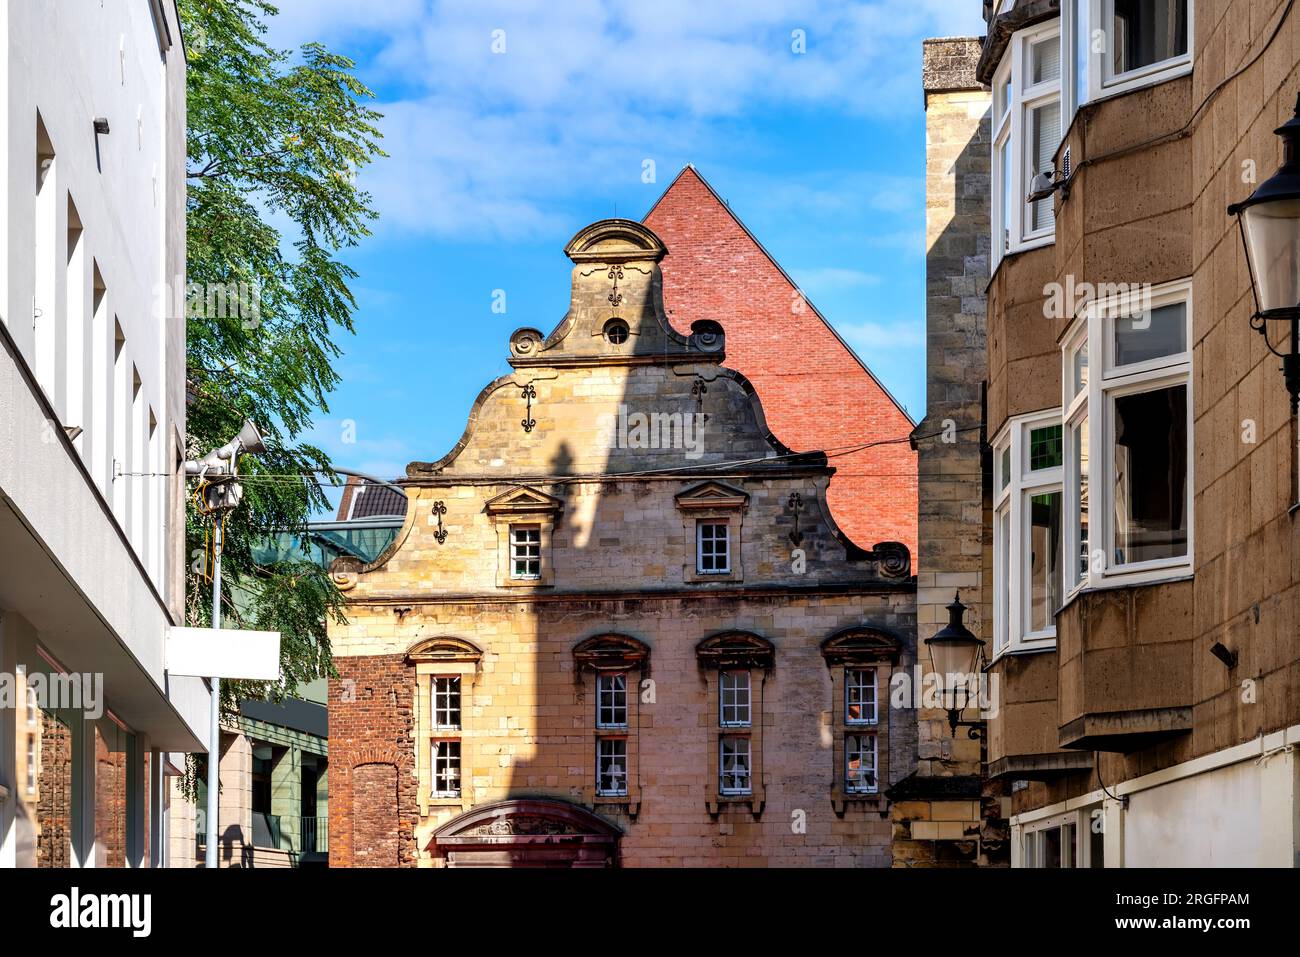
[[1136, 80], [720, 802], [841, 800], [1016, 250], [445, 800], [1183, 573], [1018, 650]]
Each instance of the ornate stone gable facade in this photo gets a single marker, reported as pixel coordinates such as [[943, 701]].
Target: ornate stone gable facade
[[619, 620]]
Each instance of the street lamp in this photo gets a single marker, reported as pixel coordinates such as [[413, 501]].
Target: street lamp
[[1270, 231], [221, 492], [956, 651]]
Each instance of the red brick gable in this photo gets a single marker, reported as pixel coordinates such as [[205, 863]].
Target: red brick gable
[[816, 393]]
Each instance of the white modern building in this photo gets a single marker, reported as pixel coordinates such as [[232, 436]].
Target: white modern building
[[92, 425]]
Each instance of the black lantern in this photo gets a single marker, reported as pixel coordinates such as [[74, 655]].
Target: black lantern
[[956, 651], [1270, 231]]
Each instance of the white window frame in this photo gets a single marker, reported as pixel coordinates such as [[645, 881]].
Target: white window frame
[[1010, 129], [747, 774], [851, 683], [447, 792], [1076, 413], [1081, 20], [522, 550], [735, 685], [1103, 82], [1011, 591], [1031, 845], [852, 785], [1097, 401], [619, 788], [607, 700], [32, 765], [700, 525], [451, 691]]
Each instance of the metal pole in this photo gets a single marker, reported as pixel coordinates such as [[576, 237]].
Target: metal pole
[[214, 741]]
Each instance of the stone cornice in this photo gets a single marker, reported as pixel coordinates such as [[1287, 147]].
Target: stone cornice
[[718, 590], [1024, 14]]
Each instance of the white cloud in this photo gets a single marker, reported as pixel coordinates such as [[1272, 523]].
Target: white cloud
[[821, 280], [487, 145], [872, 338]]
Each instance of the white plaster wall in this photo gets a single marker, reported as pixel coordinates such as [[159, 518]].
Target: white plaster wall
[[74, 60], [1238, 816]]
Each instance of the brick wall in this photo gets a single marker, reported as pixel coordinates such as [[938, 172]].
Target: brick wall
[[372, 789], [815, 394], [54, 795]]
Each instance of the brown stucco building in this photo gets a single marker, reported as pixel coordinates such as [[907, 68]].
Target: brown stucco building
[[1145, 567], [619, 625]]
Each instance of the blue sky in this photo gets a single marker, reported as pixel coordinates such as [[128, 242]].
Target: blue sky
[[497, 158]]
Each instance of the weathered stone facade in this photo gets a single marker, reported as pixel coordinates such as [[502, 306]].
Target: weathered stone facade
[[939, 820], [553, 555]]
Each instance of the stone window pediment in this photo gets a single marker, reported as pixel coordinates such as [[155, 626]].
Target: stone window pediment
[[523, 502], [712, 496], [606, 652], [440, 650], [859, 646], [735, 649]]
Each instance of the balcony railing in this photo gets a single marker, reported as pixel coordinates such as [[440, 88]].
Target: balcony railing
[[314, 834]]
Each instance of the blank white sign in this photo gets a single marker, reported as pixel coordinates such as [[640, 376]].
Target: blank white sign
[[224, 653]]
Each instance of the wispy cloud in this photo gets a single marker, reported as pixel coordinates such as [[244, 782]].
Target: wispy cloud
[[500, 112], [818, 281], [873, 338]]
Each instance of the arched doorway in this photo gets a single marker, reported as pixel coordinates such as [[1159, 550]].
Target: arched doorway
[[531, 832]]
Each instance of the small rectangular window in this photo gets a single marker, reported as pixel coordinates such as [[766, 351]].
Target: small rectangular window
[[611, 766], [860, 763], [713, 548], [734, 694], [860, 696], [1152, 334], [526, 551], [611, 701], [1045, 448], [734, 766], [446, 769], [446, 703], [31, 764]]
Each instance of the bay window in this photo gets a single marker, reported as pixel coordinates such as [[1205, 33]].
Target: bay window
[[1026, 134], [1095, 49], [1028, 517], [1134, 524]]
